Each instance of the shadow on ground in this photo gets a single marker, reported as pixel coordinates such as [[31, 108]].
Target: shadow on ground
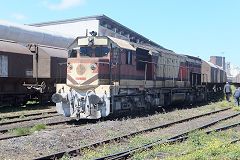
[[30, 106]]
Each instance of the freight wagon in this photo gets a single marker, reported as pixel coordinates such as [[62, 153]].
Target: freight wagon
[[29, 72], [214, 78], [236, 80]]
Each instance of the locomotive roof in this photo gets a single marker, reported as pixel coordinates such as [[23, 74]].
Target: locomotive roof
[[13, 47], [195, 58], [152, 48], [122, 43], [133, 46]]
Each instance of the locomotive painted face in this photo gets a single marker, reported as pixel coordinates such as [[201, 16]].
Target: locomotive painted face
[[88, 66]]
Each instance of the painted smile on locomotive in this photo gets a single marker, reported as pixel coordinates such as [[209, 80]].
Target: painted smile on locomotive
[[109, 75]]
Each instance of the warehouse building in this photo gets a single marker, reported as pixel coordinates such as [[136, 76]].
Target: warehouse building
[[219, 61], [103, 25]]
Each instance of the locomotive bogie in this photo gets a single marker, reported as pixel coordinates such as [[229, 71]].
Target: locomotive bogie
[[92, 103]]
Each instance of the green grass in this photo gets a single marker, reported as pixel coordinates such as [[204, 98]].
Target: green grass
[[198, 146], [138, 140], [4, 119], [113, 134], [236, 108], [32, 102], [28, 130], [22, 116], [21, 131], [44, 114], [39, 127]]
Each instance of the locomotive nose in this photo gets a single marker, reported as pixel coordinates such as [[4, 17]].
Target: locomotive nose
[[57, 98]]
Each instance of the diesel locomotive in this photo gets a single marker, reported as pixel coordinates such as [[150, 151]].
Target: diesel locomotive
[[107, 75]]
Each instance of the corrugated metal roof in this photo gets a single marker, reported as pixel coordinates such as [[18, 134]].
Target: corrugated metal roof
[[54, 52], [122, 43], [67, 21], [28, 34], [211, 64], [13, 47]]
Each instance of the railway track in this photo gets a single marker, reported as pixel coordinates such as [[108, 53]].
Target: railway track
[[50, 123], [5, 130], [27, 115], [71, 121], [77, 150], [28, 119], [177, 138]]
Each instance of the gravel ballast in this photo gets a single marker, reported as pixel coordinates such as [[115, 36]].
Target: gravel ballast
[[51, 141]]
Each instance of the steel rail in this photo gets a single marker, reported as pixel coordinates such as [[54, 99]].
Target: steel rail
[[49, 124], [178, 138], [28, 119], [9, 137], [27, 115], [52, 123], [76, 150]]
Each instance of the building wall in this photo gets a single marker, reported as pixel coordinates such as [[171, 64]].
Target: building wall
[[219, 61], [74, 29]]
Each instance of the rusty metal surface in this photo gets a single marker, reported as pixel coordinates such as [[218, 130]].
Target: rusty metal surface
[[51, 62]]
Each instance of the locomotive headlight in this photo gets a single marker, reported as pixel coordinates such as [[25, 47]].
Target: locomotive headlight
[[94, 99], [93, 66], [57, 98]]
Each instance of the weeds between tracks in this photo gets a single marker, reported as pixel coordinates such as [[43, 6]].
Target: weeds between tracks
[[28, 130], [211, 146]]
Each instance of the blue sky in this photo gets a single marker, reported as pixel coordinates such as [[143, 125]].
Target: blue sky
[[194, 27]]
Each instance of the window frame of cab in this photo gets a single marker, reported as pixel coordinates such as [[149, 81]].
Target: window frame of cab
[[128, 57], [93, 52], [71, 52]]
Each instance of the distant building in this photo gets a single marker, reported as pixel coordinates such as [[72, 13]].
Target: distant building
[[228, 68], [103, 25], [219, 61]]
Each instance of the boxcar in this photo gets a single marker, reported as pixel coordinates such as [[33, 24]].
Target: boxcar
[[29, 72]]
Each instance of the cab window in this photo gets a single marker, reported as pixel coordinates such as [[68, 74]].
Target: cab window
[[85, 51], [101, 51], [72, 53], [129, 57]]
